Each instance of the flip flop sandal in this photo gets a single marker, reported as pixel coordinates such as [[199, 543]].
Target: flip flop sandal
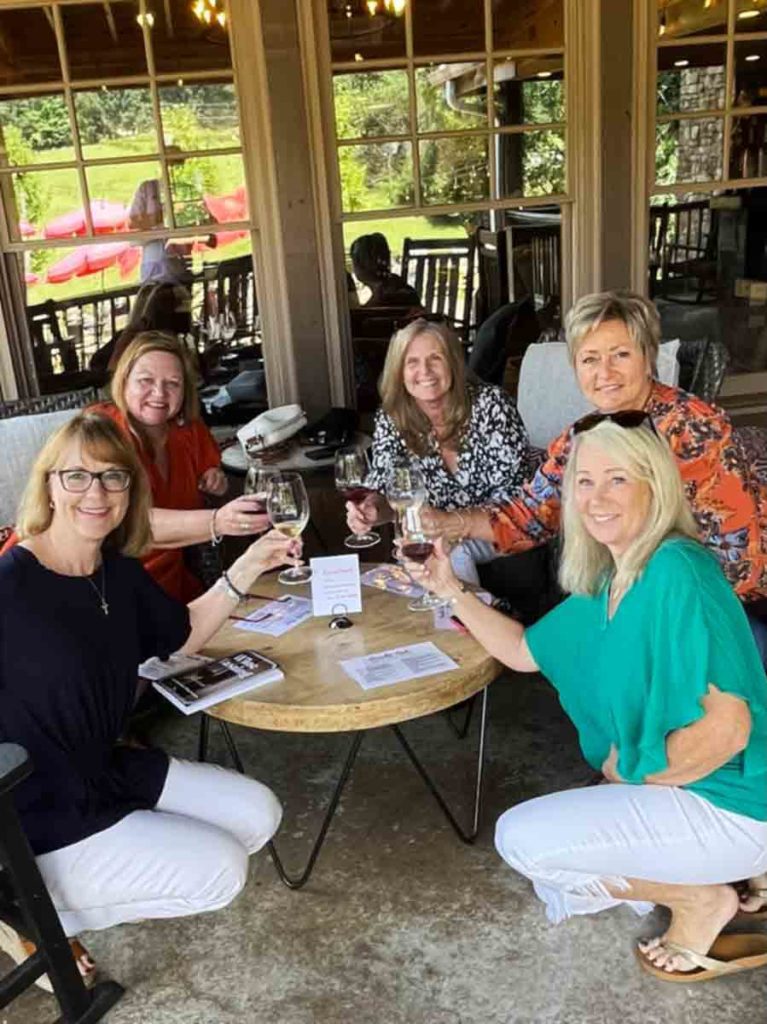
[[728, 955], [19, 949]]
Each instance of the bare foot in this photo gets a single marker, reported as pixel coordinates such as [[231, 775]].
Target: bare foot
[[694, 925]]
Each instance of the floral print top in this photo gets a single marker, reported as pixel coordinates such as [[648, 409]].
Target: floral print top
[[727, 498], [492, 454]]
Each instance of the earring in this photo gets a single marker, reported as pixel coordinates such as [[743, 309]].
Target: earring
[[51, 505]]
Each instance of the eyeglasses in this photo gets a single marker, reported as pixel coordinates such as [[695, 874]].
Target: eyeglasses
[[78, 481], [624, 418]]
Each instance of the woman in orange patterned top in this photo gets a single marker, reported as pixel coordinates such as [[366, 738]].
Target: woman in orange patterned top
[[613, 339]]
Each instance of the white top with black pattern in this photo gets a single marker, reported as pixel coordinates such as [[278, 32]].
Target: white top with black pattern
[[492, 455]]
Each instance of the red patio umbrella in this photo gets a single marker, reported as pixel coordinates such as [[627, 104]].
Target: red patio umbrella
[[228, 207], [26, 229], [30, 278], [106, 217], [90, 259]]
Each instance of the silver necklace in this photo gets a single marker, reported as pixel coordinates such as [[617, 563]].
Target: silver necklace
[[101, 594]]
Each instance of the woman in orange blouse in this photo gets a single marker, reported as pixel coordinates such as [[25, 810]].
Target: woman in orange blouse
[[613, 339], [155, 402]]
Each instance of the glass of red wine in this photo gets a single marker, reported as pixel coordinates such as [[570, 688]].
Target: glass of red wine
[[351, 470], [418, 546]]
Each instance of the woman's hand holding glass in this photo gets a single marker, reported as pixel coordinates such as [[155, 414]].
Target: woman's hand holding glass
[[272, 550], [351, 471], [436, 572], [362, 517], [416, 546], [241, 517]]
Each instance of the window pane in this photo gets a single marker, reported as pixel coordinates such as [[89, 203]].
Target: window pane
[[134, 188], [689, 150], [35, 130], [29, 52], [528, 24], [751, 16], [35, 200], [529, 91], [451, 97], [197, 116], [182, 42], [360, 29], [370, 104], [103, 40], [691, 78], [678, 18], [531, 163], [533, 242], [447, 26], [708, 277], [376, 176], [115, 122], [208, 189], [748, 147], [751, 74], [454, 170]]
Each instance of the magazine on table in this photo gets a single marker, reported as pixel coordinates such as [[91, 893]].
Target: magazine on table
[[193, 682]]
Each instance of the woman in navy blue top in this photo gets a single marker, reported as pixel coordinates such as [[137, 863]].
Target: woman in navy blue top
[[112, 826]]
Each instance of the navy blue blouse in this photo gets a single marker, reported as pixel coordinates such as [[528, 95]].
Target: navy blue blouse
[[68, 685]]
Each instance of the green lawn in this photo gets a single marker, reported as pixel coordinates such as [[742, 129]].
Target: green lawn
[[116, 183]]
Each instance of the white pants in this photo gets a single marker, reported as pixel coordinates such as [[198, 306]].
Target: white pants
[[571, 844], [466, 556], [188, 855]]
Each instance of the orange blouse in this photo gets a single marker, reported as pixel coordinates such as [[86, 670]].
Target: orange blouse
[[191, 450], [729, 504]]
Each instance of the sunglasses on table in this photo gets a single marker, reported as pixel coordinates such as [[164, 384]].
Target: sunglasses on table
[[77, 481], [625, 418]]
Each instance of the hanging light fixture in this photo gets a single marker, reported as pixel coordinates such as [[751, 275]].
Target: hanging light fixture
[[210, 12]]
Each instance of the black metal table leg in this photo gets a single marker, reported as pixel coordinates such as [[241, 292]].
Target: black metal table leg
[[461, 730], [299, 881], [202, 744], [467, 836]]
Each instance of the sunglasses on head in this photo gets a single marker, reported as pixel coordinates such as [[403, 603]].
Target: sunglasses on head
[[429, 318], [625, 418]]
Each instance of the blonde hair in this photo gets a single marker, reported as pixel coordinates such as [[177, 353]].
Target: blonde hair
[[103, 440], [156, 341], [639, 316], [586, 564], [413, 424]]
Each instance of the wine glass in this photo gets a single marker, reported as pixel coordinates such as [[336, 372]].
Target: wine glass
[[288, 506], [258, 481], [351, 470], [405, 488], [417, 546]]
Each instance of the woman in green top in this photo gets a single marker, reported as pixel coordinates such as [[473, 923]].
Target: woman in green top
[[654, 662]]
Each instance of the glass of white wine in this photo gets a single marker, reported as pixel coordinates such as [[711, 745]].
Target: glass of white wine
[[288, 506]]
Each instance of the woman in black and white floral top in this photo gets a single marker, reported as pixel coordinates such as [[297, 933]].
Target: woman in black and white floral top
[[466, 437]]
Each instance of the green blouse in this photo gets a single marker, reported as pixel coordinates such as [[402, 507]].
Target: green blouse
[[633, 679]]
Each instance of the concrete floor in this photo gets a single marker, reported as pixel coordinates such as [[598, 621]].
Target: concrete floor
[[401, 923]]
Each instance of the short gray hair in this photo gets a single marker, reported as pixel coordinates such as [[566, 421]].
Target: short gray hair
[[638, 314]]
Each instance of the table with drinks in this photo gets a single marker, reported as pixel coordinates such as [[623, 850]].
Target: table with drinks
[[318, 694]]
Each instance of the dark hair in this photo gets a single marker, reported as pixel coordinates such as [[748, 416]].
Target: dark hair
[[371, 257], [159, 306]]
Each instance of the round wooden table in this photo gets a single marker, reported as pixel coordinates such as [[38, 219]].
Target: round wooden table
[[316, 695]]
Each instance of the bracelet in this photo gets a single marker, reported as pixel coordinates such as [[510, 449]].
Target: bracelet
[[224, 581], [463, 589], [464, 528], [215, 538]]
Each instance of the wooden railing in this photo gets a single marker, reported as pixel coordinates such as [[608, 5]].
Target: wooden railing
[[66, 333]]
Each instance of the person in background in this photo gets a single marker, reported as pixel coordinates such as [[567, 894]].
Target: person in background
[[371, 264], [654, 662], [466, 436], [159, 261], [120, 834], [613, 339]]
